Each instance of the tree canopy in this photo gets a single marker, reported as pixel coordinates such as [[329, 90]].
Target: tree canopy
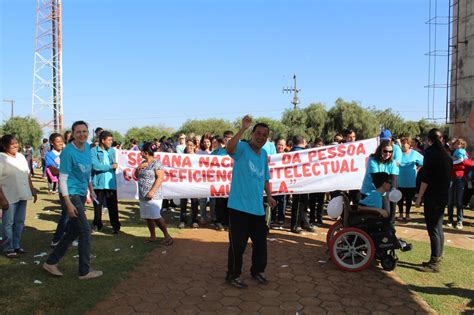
[[27, 130]]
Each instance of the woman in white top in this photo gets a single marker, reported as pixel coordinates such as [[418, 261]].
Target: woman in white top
[[15, 189]]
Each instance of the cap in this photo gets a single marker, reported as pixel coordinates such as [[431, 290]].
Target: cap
[[385, 134]]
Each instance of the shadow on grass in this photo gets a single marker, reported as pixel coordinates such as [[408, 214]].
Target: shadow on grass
[[449, 289]]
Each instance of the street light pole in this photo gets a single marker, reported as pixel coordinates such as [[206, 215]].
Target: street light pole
[[12, 103]]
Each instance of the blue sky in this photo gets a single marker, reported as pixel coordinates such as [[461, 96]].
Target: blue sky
[[144, 62]]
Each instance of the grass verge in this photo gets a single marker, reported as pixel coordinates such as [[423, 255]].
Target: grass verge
[[116, 255], [449, 292]]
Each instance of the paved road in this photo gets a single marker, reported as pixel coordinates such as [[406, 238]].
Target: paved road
[[188, 278]]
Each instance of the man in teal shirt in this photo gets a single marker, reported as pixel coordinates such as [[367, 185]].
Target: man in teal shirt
[[250, 177]]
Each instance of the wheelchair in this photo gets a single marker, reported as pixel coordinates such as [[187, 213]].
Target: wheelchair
[[359, 237]]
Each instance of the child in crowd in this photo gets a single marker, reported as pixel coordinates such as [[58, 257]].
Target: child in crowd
[[459, 154], [373, 202]]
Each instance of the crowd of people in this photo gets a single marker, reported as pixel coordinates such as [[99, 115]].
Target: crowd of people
[[433, 171]]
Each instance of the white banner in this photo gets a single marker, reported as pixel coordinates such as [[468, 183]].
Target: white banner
[[329, 168]]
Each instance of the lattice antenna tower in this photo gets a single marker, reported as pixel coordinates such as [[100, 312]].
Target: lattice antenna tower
[[439, 56], [47, 73]]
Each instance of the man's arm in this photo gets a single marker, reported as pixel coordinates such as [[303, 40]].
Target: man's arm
[[232, 144]]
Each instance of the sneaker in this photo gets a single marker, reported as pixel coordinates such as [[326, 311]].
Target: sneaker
[[181, 225], [91, 275], [296, 230], [75, 243], [236, 282], [260, 277], [219, 227], [20, 251], [52, 269], [195, 225], [449, 224], [319, 223], [404, 246], [281, 223], [459, 225], [310, 229]]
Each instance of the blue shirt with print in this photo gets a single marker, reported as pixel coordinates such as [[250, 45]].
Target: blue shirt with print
[[407, 176], [373, 199], [248, 179], [77, 165], [375, 167]]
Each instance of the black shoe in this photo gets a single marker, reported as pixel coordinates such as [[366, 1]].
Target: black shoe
[[432, 261], [115, 232], [431, 267], [310, 229], [404, 246], [296, 231], [260, 277], [236, 282]]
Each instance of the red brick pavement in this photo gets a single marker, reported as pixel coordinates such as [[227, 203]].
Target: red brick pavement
[[188, 278]]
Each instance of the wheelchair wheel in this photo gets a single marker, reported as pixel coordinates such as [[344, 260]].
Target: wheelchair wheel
[[389, 262], [352, 249], [333, 229]]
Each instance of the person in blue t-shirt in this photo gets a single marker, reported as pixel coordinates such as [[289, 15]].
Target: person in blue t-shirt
[[410, 163], [373, 202], [74, 181], [104, 165], [380, 161], [250, 177]]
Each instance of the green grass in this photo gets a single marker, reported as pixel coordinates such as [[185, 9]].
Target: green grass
[[68, 295], [449, 292]]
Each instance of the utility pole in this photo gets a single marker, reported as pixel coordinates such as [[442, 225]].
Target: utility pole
[[12, 103], [295, 91]]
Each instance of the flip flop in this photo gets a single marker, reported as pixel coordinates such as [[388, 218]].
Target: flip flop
[[12, 255], [169, 241]]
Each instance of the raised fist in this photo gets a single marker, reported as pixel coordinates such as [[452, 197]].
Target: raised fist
[[246, 122]]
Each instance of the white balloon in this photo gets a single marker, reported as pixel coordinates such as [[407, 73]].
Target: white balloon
[[177, 201], [335, 207], [395, 195]]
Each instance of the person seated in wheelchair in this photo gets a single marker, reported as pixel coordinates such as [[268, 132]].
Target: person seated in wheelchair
[[373, 204]]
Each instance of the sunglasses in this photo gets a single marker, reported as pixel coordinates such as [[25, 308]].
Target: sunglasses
[[387, 151]]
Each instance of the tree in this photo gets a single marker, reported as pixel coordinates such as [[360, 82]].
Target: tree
[[117, 136], [296, 120], [387, 119], [27, 130], [351, 115], [316, 117], [277, 128], [214, 126], [147, 133]]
